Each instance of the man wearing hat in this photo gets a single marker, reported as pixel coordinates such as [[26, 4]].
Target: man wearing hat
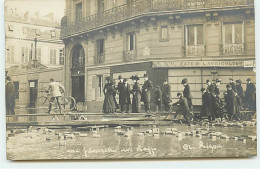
[[233, 86], [183, 107], [211, 86], [186, 92], [9, 96], [120, 89], [250, 96], [240, 92], [166, 95], [146, 93], [136, 91], [208, 108], [231, 103]]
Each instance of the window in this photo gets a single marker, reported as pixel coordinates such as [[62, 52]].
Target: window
[[53, 33], [39, 55], [233, 33], [61, 56], [25, 30], [25, 53], [78, 11], [194, 35], [130, 41], [100, 47], [100, 85], [10, 27], [37, 32], [16, 87], [164, 33], [10, 54], [52, 56], [101, 5]]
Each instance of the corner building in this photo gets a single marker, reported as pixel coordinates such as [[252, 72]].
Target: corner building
[[173, 39]]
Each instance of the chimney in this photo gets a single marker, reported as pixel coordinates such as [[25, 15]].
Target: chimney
[[26, 16]]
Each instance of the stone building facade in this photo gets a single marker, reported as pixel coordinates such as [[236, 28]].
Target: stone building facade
[[30, 69], [173, 39]]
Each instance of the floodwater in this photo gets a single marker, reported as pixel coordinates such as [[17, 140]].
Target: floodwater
[[106, 144]]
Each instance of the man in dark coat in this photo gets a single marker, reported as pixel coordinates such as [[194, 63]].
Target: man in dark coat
[[158, 98], [183, 107], [208, 107], [166, 95], [219, 107], [216, 89], [233, 86], [240, 93], [146, 93], [250, 95], [9, 96], [211, 86], [120, 89], [186, 93], [231, 103], [126, 96]]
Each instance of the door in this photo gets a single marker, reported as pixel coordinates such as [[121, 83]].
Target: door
[[78, 88], [33, 86]]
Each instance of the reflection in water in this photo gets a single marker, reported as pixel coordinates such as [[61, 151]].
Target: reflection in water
[[46, 145]]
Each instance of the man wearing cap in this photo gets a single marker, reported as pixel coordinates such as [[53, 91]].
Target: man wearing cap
[[9, 96], [146, 93], [186, 92], [166, 95], [120, 89], [207, 108], [250, 96], [183, 107], [231, 103]]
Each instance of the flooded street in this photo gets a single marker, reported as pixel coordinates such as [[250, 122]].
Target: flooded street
[[137, 142]]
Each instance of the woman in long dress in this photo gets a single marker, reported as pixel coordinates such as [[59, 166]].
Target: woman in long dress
[[109, 90], [136, 91]]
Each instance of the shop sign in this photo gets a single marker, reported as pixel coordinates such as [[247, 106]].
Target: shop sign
[[176, 64]]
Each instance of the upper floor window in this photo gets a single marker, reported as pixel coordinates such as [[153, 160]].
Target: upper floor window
[[61, 56], [100, 51], [53, 33], [52, 56], [10, 28], [25, 55], [10, 54], [194, 35], [164, 33], [101, 5], [130, 42], [78, 11], [233, 38], [194, 41], [37, 32]]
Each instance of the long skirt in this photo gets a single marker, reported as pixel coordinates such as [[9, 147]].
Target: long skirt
[[109, 104], [136, 104]]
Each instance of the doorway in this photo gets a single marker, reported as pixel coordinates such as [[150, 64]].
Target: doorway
[[33, 92], [78, 88]]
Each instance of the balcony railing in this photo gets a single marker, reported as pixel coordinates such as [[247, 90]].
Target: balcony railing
[[129, 55], [194, 50], [99, 59], [140, 7], [233, 49]]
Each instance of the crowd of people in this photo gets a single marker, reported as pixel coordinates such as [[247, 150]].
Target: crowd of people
[[235, 98]]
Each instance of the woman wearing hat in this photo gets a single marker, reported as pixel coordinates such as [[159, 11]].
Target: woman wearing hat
[[109, 105], [136, 91]]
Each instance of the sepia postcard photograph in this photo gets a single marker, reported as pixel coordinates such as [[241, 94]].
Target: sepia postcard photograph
[[130, 79]]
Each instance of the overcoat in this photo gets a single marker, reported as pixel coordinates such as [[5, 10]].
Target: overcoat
[[166, 93], [208, 106], [250, 94], [158, 97], [231, 102], [120, 88], [146, 91], [10, 96]]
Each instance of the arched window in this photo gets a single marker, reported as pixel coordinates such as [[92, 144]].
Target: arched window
[[78, 57]]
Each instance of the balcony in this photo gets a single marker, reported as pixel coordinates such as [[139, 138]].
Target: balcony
[[129, 55], [194, 50], [233, 49], [99, 59], [139, 8]]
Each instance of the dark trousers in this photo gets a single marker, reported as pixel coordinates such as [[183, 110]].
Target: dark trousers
[[51, 101], [158, 106], [184, 113], [147, 106], [125, 107], [167, 106]]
